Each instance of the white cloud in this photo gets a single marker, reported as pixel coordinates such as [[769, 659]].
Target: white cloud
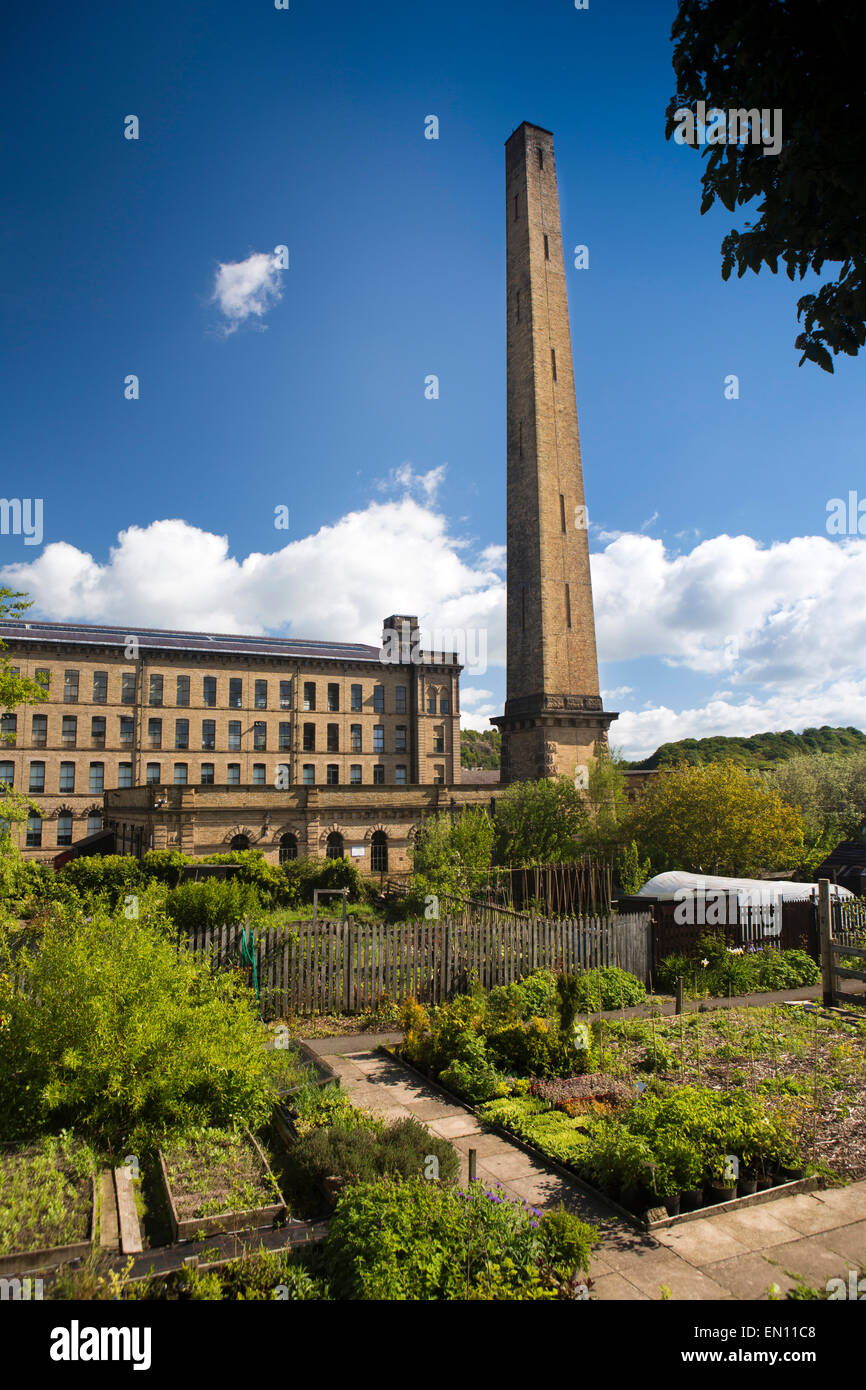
[[245, 289], [405, 480], [337, 584]]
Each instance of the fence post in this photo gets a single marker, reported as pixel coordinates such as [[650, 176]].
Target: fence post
[[679, 1004], [824, 919]]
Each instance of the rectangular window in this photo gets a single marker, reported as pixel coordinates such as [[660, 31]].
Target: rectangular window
[[378, 738], [208, 733], [431, 702], [127, 730], [236, 693], [333, 774], [154, 733], [7, 773], [355, 735], [96, 781], [152, 773], [207, 774], [285, 740], [261, 696], [567, 606], [400, 739], [97, 731], [43, 677], [355, 774], [333, 738], [540, 157], [34, 832], [69, 731], [40, 730], [70, 687], [234, 735], [378, 775], [259, 774], [181, 774], [356, 698], [181, 733], [309, 738], [379, 699], [333, 697], [209, 691], [100, 687], [309, 774], [124, 774], [9, 727], [553, 361], [439, 740], [309, 695], [400, 698], [67, 777], [444, 705], [127, 688], [400, 775], [233, 774], [546, 247], [285, 694], [182, 691], [260, 736], [562, 513], [155, 696]]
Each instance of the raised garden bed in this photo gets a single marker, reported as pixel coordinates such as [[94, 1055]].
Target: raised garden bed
[[650, 1220], [219, 1182], [48, 1205]]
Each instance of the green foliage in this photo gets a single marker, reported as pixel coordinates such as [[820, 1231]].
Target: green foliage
[[811, 206], [126, 1038], [715, 818], [630, 870], [829, 789], [541, 822], [417, 1240], [608, 988], [759, 751], [46, 1194], [480, 748], [107, 876], [362, 1153], [452, 859], [735, 972], [568, 990], [212, 903]]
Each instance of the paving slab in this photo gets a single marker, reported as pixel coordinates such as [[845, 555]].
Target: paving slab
[[756, 1227], [482, 1143], [806, 1213], [511, 1163], [850, 1241], [813, 1261], [751, 1276], [455, 1126], [849, 1203], [614, 1288], [702, 1242]]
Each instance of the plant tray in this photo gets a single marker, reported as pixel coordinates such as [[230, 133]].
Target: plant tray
[[50, 1256], [201, 1226], [564, 1170]]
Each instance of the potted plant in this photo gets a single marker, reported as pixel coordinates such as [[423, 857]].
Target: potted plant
[[679, 1172], [722, 1187]]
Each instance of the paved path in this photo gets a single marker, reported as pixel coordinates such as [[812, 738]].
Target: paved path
[[735, 1255]]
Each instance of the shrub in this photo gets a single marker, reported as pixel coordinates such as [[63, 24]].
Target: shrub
[[419, 1240], [670, 968], [212, 903], [107, 876], [126, 1038], [608, 988], [364, 1153]]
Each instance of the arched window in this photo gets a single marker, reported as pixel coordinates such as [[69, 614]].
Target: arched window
[[334, 848], [64, 828], [288, 848], [240, 842], [379, 852], [94, 822]]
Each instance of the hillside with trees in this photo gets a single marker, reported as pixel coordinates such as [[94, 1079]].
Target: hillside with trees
[[480, 749], [761, 751]]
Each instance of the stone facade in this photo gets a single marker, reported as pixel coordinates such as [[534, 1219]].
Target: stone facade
[[554, 717], [132, 707], [372, 827]]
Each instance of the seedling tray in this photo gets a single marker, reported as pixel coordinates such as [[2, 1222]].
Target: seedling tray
[[197, 1227]]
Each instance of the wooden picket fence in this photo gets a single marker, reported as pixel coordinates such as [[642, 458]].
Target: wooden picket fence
[[843, 950], [347, 967]]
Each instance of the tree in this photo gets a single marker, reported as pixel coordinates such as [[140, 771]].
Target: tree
[[800, 62], [15, 690], [450, 858], [715, 819], [543, 822], [830, 792], [606, 803]]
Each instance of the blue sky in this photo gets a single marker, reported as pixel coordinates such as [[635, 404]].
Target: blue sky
[[722, 603]]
